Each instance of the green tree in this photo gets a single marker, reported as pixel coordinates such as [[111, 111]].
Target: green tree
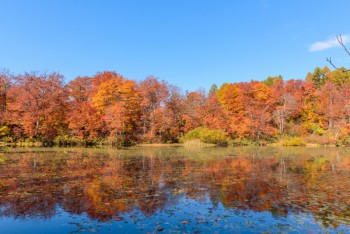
[[319, 76], [272, 80]]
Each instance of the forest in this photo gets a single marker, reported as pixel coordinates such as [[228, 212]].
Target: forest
[[108, 108]]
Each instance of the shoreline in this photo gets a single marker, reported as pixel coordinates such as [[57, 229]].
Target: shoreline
[[39, 144]]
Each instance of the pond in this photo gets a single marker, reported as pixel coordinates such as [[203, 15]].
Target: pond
[[175, 190]]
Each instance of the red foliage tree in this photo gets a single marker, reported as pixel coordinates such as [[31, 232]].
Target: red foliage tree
[[83, 120], [173, 122], [288, 97], [154, 94], [259, 104], [193, 115], [213, 114], [39, 104]]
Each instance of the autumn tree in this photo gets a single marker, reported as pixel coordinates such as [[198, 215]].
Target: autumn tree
[[83, 120], [118, 100], [173, 123], [213, 116], [340, 76], [345, 94], [319, 76], [273, 79], [39, 104], [310, 108], [330, 106], [193, 114], [259, 104], [288, 97], [154, 94], [5, 82], [231, 98], [213, 89]]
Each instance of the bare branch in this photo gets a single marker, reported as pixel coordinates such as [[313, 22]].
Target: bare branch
[[331, 63], [337, 68], [340, 40]]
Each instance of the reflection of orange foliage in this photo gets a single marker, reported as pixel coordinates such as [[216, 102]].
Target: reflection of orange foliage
[[345, 164], [101, 200], [105, 186], [241, 165]]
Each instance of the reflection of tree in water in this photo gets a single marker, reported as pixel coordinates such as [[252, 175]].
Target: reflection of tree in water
[[106, 185]]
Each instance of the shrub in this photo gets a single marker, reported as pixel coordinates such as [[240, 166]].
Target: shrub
[[316, 129], [294, 141], [4, 131], [2, 160], [241, 142], [346, 141], [65, 140], [206, 135], [319, 139]]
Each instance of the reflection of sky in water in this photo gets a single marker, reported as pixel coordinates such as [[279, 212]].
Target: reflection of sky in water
[[211, 191], [188, 216]]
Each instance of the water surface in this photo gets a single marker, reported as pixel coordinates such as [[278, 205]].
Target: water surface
[[175, 190]]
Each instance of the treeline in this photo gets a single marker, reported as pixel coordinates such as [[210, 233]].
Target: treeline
[[110, 108]]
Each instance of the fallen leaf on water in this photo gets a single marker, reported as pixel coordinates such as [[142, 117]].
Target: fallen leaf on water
[[118, 218]]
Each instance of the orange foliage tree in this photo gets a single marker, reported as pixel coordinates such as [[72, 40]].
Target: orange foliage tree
[[232, 99], [118, 100], [259, 104], [109, 106], [38, 104]]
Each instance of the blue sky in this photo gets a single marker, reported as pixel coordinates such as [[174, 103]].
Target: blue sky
[[189, 43]]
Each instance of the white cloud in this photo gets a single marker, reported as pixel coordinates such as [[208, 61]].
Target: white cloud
[[330, 43]]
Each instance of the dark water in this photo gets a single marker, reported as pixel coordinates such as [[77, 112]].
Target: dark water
[[175, 190]]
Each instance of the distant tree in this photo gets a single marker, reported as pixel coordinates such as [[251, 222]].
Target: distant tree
[[273, 79], [319, 76], [213, 88], [340, 77]]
